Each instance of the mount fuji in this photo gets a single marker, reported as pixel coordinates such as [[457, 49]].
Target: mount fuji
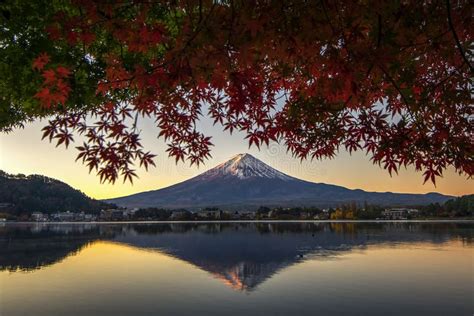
[[246, 182]]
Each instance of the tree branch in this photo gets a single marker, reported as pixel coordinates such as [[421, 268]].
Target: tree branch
[[395, 85], [456, 38]]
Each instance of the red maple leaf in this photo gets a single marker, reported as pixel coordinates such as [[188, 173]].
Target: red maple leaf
[[40, 61]]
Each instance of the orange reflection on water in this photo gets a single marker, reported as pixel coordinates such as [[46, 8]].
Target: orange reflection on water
[[122, 279]]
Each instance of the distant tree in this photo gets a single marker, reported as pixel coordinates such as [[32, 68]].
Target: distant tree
[[152, 213], [337, 214], [370, 212], [185, 215], [461, 206], [349, 215], [263, 210]]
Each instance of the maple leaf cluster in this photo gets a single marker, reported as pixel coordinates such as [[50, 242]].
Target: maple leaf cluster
[[393, 79], [55, 88]]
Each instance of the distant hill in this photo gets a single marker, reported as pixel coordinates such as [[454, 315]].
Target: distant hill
[[246, 182], [20, 194]]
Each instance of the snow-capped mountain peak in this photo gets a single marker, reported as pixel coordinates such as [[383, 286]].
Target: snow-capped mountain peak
[[245, 181], [245, 166]]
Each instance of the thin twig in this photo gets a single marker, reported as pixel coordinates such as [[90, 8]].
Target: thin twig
[[456, 38]]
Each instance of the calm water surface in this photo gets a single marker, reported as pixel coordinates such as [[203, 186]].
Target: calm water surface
[[237, 269]]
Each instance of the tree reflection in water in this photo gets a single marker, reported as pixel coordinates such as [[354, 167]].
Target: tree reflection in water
[[242, 255]]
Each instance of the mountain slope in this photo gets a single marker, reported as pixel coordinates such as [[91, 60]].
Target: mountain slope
[[26, 194], [245, 181]]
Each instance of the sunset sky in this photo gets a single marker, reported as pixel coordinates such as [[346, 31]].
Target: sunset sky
[[23, 151]]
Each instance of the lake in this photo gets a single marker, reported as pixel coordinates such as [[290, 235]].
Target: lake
[[297, 268]]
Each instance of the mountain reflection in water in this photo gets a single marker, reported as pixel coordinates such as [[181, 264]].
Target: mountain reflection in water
[[242, 255]]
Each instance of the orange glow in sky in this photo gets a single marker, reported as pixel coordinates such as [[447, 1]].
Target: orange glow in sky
[[23, 151]]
